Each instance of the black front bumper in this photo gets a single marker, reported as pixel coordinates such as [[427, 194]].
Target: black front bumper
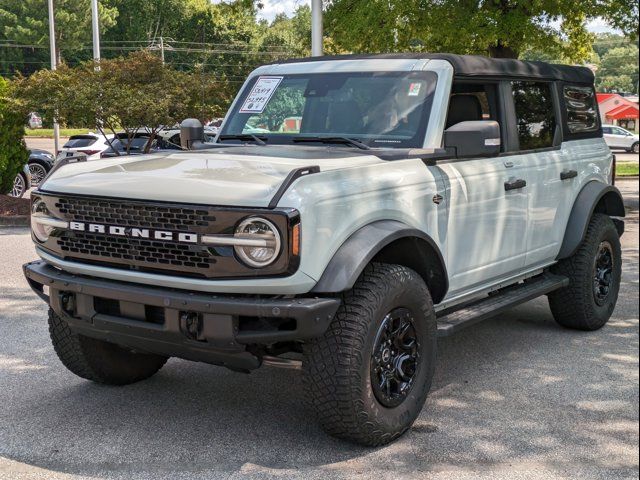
[[203, 327]]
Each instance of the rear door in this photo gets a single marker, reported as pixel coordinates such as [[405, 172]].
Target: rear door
[[550, 174]]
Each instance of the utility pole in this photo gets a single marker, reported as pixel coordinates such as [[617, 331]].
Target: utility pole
[[316, 28], [162, 49], [52, 47], [95, 27]]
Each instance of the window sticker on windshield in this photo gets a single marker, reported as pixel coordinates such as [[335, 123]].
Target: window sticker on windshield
[[260, 94], [414, 89]]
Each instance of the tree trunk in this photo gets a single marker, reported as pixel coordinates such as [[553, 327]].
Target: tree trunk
[[500, 50]]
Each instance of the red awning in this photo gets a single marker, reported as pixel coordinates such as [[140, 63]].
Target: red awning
[[605, 96], [623, 112]]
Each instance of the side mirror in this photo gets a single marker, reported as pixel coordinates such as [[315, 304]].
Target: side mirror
[[478, 138], [191, 132]]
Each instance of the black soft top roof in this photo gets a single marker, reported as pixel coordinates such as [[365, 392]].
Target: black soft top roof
[[479, 66]]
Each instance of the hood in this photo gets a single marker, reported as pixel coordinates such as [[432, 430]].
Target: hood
[[235, 176]]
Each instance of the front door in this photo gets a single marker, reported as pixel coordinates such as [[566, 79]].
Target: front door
[[487, 220]]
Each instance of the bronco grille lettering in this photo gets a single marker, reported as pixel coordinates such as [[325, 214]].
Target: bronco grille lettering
[[135, 232]]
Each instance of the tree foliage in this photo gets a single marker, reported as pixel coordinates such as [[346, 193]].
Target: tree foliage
[[26, 22], [13, 152], [500, 28], [128, 93], [617, 64]]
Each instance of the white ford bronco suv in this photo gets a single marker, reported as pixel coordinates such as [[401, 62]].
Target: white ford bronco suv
[[350, 211]]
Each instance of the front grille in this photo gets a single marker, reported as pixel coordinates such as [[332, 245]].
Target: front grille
[[152, 255], [135, 249], [134, 215]]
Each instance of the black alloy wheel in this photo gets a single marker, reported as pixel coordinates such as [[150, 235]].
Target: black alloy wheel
[[395, 358], [603, 273]]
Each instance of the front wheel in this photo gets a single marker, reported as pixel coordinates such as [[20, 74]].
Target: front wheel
[[19, 185], [38, 171], [635, 148], [594, 272], [368, 377]]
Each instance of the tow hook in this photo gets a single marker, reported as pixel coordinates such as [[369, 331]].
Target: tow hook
[[67, 301], [191, 326]]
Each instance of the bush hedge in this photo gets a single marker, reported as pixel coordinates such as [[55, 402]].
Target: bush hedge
[[13, 151]]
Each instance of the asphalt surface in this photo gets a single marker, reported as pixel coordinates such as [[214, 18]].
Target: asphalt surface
[[513, 397]]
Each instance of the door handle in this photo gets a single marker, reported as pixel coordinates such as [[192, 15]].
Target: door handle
[[514, 184], [567, 174]]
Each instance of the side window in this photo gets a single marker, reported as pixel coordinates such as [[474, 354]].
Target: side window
[[472, 101], [535, 114], [580, 104], [606, 130]]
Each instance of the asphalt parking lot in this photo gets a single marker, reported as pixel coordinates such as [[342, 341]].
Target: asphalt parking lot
[[513, 397]]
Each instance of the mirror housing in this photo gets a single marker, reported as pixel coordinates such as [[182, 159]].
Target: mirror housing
[[191, 133], [477, 138]]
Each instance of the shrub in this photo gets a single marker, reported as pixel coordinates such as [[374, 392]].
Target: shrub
[[13, 151]]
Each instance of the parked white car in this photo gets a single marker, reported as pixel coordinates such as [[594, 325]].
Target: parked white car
[[620, 138], [420, 195], [89, 144], [34, 120]]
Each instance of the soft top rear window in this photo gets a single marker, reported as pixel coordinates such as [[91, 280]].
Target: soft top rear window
[[581, 108]]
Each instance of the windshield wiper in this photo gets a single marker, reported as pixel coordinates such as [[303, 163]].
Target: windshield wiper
[[245, 137], [345, 140]]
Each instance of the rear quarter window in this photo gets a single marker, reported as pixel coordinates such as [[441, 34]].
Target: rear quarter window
[[581, 108]]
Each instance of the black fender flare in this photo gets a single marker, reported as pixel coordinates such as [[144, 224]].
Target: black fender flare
[[591, 195], [361, 247]]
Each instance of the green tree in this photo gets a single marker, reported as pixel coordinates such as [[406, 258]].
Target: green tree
[[500, 28], [13, 152], [26, 22], [618, 70], [126, 94]]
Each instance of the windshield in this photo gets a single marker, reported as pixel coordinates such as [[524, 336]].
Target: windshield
[[379, 109]]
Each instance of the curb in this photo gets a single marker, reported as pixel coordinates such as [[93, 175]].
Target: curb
[[15, 221]]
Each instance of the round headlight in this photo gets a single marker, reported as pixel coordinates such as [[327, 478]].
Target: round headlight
[[257, 242], [40, 230]]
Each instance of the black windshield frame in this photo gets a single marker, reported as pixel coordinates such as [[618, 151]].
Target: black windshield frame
[[236, 121]]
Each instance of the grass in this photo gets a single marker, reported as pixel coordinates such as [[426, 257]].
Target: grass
[[48, 132], [626, 169]]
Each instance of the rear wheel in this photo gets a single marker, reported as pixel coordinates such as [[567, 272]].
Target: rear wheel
[[594, 272], [100, 361], [368, 377]]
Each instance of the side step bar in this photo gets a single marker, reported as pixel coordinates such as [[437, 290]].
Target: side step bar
[[456, 318]]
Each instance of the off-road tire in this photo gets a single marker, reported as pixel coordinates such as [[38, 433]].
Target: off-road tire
[[100, 361], [575, 306], [337, 376]]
